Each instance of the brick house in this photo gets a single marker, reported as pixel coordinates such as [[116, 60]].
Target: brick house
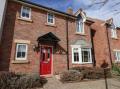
[[38, 39]]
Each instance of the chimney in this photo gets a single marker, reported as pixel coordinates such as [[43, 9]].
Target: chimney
[[70, 10]]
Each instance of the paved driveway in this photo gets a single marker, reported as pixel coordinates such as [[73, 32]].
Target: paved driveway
[[54, 83]]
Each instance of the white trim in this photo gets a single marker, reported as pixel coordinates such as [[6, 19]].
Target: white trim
[[29, 13], [53, 18], [17, 51]]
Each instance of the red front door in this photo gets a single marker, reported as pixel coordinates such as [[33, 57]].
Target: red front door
[[45, 60]]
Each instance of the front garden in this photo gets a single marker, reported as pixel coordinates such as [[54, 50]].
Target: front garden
[[78, 74], [10, 80]]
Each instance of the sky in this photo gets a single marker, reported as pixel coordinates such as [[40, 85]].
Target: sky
[[93, 8]]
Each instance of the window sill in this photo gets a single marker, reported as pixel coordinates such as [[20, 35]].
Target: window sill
[[80, 34], [52, 25], [86, 63], [20, 62], [82, 63], [117, 61], [115, 38], [27, 20]]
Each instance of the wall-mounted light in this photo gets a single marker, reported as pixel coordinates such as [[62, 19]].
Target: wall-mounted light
[[35, 47]]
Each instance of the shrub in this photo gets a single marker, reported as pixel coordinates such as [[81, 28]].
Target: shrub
[[9, 80], [93, 73], [71, 75], [116, 69]]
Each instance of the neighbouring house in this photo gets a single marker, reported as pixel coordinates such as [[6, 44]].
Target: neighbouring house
[[38, 39], [3, 5]]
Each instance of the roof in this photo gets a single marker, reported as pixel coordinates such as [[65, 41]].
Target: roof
[[44, 7], [83, 14], [51, 9]]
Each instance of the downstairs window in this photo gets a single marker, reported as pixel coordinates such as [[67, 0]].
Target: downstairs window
[[21, 51], [81, 55]]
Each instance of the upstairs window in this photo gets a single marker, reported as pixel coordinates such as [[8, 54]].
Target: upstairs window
[[25, 12], [114, 33], [80, 26], [21, 51], [50, 18]]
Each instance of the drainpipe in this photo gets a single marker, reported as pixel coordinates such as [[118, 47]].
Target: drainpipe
[[67, 40], [92, 49], [109, 48]]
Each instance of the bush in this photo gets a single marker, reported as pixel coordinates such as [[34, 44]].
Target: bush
[[71, 75], [9, 80], [116, 69], [93, 73]]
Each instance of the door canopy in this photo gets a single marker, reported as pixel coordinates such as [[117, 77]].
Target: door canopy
[[49, 37]]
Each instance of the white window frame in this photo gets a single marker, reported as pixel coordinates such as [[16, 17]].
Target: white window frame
[[53, 18], [78, 27], [80, 55], [114, 33], [88, 49], [22, 11], [116, 56], [25, 58]]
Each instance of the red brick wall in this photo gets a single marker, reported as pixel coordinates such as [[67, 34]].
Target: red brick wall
[[100, 42], [114, 43]]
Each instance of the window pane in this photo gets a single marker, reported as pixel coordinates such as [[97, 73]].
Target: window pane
[[20, 48], [23, 14], [50, 18], [80, 26], [18, 54], [117, 55], [76, 55], [23, 54], [27, 15], [48, 53], [85, 55], [113, 33]]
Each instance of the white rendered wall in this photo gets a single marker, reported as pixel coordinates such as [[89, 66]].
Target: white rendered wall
[[2, 15]]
